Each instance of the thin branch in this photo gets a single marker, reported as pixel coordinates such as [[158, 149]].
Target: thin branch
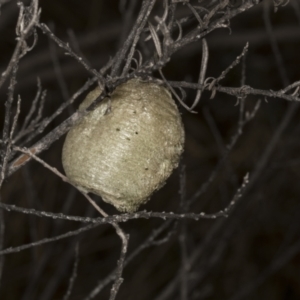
[[32, 130], [149, 241], [184, 286], [134, 42], [198, 250], [57, 69], [132, 38], [203, 188], [197, 34], [234, 63], [55, 134], [64, 127], [221, 144], [275, 265], [67, 48], [124, 237], [173, 91], [33, 105], [48, 240], [274, 44], [8, 130], [41, 214], [239, 91], [74, 274], [23, 29], [116, 218], [2, 229]]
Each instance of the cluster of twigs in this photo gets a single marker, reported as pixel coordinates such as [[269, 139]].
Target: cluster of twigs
[[163, 36]]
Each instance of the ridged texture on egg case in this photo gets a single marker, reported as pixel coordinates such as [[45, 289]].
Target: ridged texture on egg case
[[127, 147]]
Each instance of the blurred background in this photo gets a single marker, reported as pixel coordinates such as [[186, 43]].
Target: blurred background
[[252, 254]]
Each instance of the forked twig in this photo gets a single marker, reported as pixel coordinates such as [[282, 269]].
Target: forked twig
[[124, 237]]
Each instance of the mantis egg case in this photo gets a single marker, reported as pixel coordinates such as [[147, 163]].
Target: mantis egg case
[[126, 152]]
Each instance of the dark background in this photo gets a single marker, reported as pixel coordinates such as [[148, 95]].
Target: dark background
[[253, 254]]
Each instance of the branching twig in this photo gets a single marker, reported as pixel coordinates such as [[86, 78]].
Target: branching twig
[[8, 129], [124, 237], [132, 38], [28, 19], [70, 52], [149, 241], [191, 28], [240, 91]]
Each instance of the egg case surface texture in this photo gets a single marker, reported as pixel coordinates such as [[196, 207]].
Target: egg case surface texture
[[127, 147]]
